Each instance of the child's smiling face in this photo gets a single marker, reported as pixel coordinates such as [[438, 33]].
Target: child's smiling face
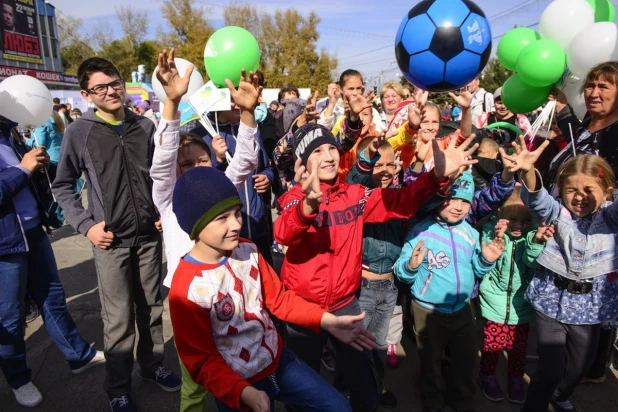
[[453, 211], [222, 233], [583, 194], [327, 156]]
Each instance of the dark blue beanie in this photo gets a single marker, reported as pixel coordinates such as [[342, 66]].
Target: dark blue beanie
[[201, 194]]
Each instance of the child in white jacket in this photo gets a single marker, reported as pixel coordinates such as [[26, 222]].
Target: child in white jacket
[[174, 155]]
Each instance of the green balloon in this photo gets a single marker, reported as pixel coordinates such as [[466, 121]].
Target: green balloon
[[519, 97], [604, 10], [228, 51], [512, 43], [541, 63]]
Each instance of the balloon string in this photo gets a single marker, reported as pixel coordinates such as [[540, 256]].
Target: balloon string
[[572, 140]]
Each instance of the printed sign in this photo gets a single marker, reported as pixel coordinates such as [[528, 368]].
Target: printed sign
[[20, 31]]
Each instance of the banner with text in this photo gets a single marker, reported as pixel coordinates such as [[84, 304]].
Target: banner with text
[[20, 31]]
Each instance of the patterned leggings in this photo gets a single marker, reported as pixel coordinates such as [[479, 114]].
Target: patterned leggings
[[499, 337]]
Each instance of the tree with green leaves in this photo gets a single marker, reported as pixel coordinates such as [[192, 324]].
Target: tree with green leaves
[[494, 75]]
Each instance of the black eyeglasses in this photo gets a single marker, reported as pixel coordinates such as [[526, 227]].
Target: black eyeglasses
[[101, 89]]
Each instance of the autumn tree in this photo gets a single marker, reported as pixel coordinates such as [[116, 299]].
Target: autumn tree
[[288, 46], [189, 30], [494, 75]]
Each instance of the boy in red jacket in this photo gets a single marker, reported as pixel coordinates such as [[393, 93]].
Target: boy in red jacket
[[322, 223], [219, 298]]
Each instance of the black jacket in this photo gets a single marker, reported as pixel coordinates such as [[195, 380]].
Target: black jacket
[[117, 172]]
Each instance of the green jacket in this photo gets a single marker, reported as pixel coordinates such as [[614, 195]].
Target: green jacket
[[502, 290]]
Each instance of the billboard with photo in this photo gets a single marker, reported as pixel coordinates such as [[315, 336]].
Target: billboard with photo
[[20, 31]]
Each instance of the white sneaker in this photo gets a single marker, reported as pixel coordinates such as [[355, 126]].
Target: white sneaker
[[28, 395], [99, 359]]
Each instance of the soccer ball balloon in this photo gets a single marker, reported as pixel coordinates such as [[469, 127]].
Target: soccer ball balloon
[[442, 45]]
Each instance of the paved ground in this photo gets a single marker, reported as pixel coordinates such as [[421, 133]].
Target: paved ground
[[65, 392]]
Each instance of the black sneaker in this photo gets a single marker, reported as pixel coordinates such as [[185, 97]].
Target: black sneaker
[[563, 406], [32, 312], [166, 379], [122, 404], [387, 399]]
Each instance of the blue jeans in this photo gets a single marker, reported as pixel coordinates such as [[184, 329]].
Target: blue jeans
[[378, 299], [36, 272], [295, 383]]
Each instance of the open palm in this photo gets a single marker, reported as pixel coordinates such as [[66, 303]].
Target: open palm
[[522, 159], [174, 85], [450, 160], [464, 99], [248, 92]]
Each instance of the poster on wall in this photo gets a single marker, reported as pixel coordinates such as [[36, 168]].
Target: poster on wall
[[20, 31]]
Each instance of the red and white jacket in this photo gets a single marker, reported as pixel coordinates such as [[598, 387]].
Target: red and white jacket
[[223, 333], [323, 261]]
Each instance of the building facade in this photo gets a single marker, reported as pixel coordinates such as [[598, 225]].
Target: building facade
[[29, 43]]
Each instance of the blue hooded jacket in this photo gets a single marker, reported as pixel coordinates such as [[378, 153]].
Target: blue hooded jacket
[[255, 212]]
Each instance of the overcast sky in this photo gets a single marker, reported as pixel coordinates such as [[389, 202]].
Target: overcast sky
[[360, 32]]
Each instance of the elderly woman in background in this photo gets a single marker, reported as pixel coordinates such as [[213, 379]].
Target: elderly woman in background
[[391, 96]]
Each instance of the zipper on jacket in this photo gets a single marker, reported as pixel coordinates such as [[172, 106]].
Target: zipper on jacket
[[128, 175], [248, 203], [510, 286], [450, 231], [327, 196]]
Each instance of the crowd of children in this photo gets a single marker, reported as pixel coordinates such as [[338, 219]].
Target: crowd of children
[[379, 217]]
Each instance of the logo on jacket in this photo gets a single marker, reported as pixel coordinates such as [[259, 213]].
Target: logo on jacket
[[225, 308], [439, 261]]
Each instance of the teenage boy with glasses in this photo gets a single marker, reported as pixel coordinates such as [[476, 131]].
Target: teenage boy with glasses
[[113, 147]]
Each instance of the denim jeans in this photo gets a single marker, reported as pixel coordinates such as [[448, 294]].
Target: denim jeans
[[377, 299], [295, 383], [357, 371], [36, 272]]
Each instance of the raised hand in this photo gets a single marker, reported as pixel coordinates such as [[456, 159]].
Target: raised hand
[[334, 93], [174, 85], [375, 144], [452, 159], [493, 250], [522, 159], [311, 114], [464, 99], [416, 110], [421, 149], [418, 255], [350, 330], [309, 182], [359, 103], [248, 92], [398, 163], [544, 233]]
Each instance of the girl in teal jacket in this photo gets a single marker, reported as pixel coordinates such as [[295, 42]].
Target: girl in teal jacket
[[506, 312]]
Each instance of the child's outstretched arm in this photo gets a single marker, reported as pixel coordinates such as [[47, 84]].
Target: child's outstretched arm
[[167, 136], [541, 204], [535, 243], [300, 206], [287, 306], [386, 204], [491, 197], [464, 100], [246, 156]]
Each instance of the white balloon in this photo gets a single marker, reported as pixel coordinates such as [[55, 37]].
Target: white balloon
[[572, 90], [595, 44], [195, 82], [563, 19], [25, 100]]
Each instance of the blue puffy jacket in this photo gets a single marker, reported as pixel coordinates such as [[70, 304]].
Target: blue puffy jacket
[[445, 280], [255, 212]]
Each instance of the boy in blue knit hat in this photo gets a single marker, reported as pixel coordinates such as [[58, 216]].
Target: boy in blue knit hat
[[440, 259], [219, 298]]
